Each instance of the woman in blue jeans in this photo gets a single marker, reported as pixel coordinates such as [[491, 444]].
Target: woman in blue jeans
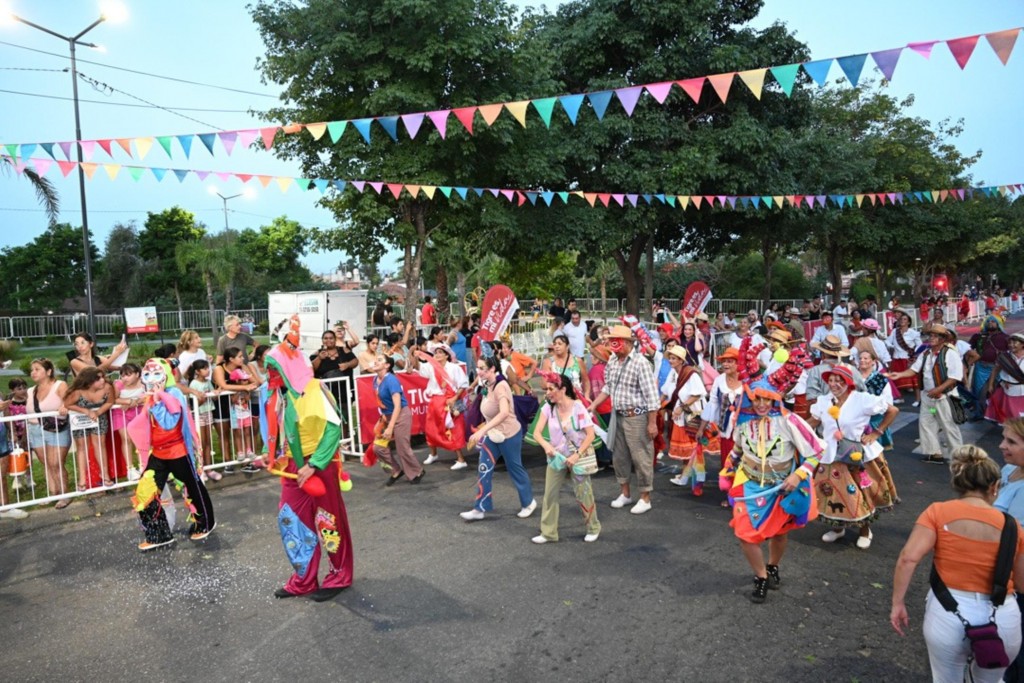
[[499, 437]]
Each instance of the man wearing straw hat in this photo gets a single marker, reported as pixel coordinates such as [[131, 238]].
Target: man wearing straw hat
[[833, 352], [629, 381], [938, 372]]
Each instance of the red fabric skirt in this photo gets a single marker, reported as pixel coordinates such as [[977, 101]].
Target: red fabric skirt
[[801, 407], [438, 434], [1001, 407], [903, 383]]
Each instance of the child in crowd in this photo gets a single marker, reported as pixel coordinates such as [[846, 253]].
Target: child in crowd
[[8, 447], [198, 376], [131, 396], [241, 421], [17, 407]]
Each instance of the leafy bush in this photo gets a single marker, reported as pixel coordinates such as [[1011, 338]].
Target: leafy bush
[[8, 350], [25, 365]]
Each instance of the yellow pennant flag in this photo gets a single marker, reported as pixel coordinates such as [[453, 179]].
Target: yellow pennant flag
[[283, 183], [778, 200], [142, 146], [317, 130], [754, 79], [112, 170], [684, 200], [518, 110], [429, 191]]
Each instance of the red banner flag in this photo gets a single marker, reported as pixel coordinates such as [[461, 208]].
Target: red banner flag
[[500, 305], [412, 384], [696, 299]]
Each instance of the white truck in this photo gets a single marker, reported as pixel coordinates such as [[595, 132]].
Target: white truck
[[319, 311]]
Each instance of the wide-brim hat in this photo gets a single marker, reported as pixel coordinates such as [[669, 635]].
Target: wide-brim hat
[[679, 352], [841, 371], [447, 349], [702, 316], [730, 353], [620, 332], [1019, 336], [794, 311], [941, 330], [832, 346], [780, 335]]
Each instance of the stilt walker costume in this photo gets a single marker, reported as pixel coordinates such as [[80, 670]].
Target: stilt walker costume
[[305, 430], [164, 431]]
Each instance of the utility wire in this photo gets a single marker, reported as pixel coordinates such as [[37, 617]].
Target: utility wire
[[141, 73], [123, 104], [101, 87]]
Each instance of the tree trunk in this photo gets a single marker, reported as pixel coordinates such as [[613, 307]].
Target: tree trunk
[[460, 291], [649, 273], [415, 214], [209, 302], [629, 267], [177, 298], [441, 284], [834, 261], [604, 295], [228, 299], [769, 255]]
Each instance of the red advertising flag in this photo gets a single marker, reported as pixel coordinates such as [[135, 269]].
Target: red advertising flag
[[500, 305], [696, 299], [412, 384]]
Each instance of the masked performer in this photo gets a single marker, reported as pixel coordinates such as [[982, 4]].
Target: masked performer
[[304, 427], [164, 430], [774, 457]]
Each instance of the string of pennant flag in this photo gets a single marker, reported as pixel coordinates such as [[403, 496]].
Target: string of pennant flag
[[852, 66], [520, 197]]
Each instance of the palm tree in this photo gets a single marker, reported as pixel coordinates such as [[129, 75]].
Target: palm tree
[[45, 191]]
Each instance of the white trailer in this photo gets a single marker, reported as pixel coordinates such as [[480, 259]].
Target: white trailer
[[318, 312]]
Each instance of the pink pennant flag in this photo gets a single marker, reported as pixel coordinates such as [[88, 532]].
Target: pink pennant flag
[[105, 146], [892, 197], [810, 201], [412, 124], [224, 177], [692, 87], [228, 139], [268, 136], [88, 146], [960, 193], [359, 185], [377, 187], [508, 194], [659, 91], [465, 116], [628, 97], [721, 199], [247, 137], [962, 49], [396, 189], [66, 167], [19, 167], [618, 198], [1002, 43], [721, 83], [923, 49], [125, 144], [440, 119], [42, 165]]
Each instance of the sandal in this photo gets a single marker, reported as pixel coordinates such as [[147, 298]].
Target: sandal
[[61, 504], [109, 483]]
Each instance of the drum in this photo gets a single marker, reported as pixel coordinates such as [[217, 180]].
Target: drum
[[19, 462]]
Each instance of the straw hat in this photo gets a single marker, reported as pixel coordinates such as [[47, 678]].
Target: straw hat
[[621, 332], [832, 346], [679, 352], [941, 330], [780, 335], [702, 316]]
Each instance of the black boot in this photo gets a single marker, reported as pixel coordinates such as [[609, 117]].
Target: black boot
[[773, 577], [760, 590]]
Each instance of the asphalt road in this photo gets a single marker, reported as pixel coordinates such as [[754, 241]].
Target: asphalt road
[[660, 596]]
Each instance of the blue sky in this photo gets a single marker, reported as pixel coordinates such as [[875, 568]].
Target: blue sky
[[216, 43]]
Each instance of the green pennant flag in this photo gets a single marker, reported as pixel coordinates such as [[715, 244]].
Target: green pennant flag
[[165, 142], [136, 172], [767, 201], [564, 196], [336, 128], [786, 76], [446, 191], [12, 150], [544, 108]]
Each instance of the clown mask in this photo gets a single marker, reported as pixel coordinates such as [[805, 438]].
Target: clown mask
[[154, 375]]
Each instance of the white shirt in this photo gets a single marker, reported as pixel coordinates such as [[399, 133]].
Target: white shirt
[[577, 335], [911, 338], [854, 416], [1009, 384], [729, 323], [720, 398], [693, 387], [455, 373], [838, 330], [926, 362], [840, 312], [186, 358]]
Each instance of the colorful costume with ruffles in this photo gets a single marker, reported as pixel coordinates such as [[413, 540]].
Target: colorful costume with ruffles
[[302, 411]]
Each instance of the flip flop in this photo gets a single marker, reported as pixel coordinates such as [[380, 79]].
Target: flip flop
[[61, 504]]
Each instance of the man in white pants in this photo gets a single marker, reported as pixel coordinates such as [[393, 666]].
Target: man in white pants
[[939, 370]]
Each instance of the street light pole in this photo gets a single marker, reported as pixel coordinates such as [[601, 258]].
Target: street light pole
[[225, 200], [72, 42]]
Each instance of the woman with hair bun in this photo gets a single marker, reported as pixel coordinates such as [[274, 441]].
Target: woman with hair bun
[[964, 535]]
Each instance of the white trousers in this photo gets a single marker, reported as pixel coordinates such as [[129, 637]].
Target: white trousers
[[948, 647], [929, 424]]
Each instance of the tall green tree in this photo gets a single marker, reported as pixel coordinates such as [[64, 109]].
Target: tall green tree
[[45, 191], [46, 271], [159, 240], [119, 283]]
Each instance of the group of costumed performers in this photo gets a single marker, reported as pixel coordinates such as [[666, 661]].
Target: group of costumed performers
[[165, 436], [303, 439]]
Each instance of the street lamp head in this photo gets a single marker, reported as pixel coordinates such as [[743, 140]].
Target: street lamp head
[[113, 11], [98, 48]]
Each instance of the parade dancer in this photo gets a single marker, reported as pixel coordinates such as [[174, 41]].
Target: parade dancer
[[305, 429]]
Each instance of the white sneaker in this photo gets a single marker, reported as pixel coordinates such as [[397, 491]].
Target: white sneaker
[[864, 542], [916, 404], [431, 459], [528, 510], [473, 515], [833, 535], [13, 513], [898, 402], [539, 540], [590, 538], [679, 481], [460, 465], [641, 507], [621, 502], [134, 474]]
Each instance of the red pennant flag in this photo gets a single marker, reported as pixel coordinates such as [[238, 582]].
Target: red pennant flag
[[962, 49], [66, 167], [1002, 43], [881, 198], [268, 136], [692, 87], [396, 189], [710, 200], [465, 115], [604, 197], [244, 177], [521, 198], [105, 146]]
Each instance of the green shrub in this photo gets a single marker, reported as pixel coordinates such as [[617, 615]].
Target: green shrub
[[25, 365], [263, 327], [8, 350]]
